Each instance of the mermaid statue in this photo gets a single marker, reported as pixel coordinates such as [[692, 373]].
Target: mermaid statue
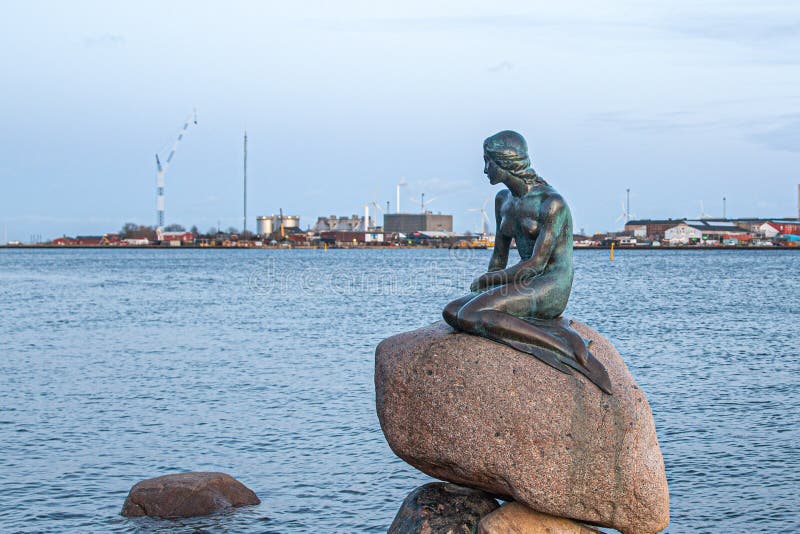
[[521, 306]]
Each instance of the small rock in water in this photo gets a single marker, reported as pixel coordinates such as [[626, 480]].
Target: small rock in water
[[518, 518], [440, 507], [186, 495]]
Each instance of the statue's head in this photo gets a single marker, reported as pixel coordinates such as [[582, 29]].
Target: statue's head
[[509, 152]]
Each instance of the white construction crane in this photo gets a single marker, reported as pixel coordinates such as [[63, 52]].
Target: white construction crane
[[162, 169]]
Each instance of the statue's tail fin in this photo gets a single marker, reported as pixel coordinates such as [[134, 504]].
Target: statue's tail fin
[[594, 371], [546, 356]]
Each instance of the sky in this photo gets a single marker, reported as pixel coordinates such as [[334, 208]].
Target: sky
[[681, 102]]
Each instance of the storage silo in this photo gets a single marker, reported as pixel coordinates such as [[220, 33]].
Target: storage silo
[[264, 225]]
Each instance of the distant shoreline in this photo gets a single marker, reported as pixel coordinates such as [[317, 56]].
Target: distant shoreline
[[192, 247]]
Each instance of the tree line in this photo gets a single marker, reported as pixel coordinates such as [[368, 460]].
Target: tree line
[[139, 231]]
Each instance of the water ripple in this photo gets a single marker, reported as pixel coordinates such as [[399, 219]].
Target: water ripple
[[121, 365]]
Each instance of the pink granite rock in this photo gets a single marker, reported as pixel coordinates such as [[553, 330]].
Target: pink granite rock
[[516, 518], [186, 495], [477, 413]]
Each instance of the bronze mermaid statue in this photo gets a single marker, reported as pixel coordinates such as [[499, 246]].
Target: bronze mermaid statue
[[521, 305]]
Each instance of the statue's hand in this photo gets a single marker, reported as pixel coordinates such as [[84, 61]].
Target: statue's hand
[[477, 284], [482, 282]]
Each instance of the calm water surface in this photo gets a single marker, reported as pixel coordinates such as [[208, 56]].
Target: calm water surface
[[119, 365]]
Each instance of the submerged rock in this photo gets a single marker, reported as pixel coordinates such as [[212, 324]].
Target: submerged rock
[[442, 508], [477, 413], [186, 495], [516, 518]]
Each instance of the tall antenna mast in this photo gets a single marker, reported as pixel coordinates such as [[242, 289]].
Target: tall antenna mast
[[244, 217], [162, 169]]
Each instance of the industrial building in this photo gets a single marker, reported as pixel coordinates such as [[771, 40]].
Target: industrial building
[[406, 223], [354, 223], [656, 230], [653, 229], [268, 224], [701, 230]]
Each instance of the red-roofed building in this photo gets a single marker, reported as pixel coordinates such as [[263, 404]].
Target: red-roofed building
[[181, 237]]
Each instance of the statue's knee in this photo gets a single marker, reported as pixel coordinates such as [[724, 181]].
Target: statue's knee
[[450, 315], [468, 320]]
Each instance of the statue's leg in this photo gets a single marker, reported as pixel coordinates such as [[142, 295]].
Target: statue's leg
[[496, 314], [450, 312]]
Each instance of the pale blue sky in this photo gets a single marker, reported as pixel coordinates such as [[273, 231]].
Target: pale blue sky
[[681, 101]]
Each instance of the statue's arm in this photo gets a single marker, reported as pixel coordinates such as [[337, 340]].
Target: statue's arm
[[502, 243], [554, 217]]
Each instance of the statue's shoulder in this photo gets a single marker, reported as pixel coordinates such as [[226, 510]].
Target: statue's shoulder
[[551, 200], [501, 196]]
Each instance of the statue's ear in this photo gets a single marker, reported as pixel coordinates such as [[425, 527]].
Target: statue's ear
[[503, 174]]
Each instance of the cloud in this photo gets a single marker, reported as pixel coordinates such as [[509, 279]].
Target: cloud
[[671, 121], [105, 40], [780, 132], [503, 65], [750, 28], [784, 136]]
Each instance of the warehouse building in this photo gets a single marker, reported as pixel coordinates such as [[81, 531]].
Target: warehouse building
[[406, 223]]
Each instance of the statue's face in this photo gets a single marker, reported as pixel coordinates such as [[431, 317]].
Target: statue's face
[[491, 170]]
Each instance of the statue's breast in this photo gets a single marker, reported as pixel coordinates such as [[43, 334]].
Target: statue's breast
[[519, 220], [507, 225], [529, 225]]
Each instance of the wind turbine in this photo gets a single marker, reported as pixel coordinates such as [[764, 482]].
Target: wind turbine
[[376, 208], [401, 183], [366, 217], [484, 218], [625, 216], [422, 202], [703, 214]]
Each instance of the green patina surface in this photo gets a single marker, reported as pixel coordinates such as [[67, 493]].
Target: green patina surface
[[521, 305]]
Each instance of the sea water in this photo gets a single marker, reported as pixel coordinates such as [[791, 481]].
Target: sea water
[[120, 365]]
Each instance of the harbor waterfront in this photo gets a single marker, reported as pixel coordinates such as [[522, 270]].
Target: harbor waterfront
[[123, 364]]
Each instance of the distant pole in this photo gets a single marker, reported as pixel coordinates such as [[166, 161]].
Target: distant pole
[[244, 217], [724, 208], [628, 206], [422, 203]]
